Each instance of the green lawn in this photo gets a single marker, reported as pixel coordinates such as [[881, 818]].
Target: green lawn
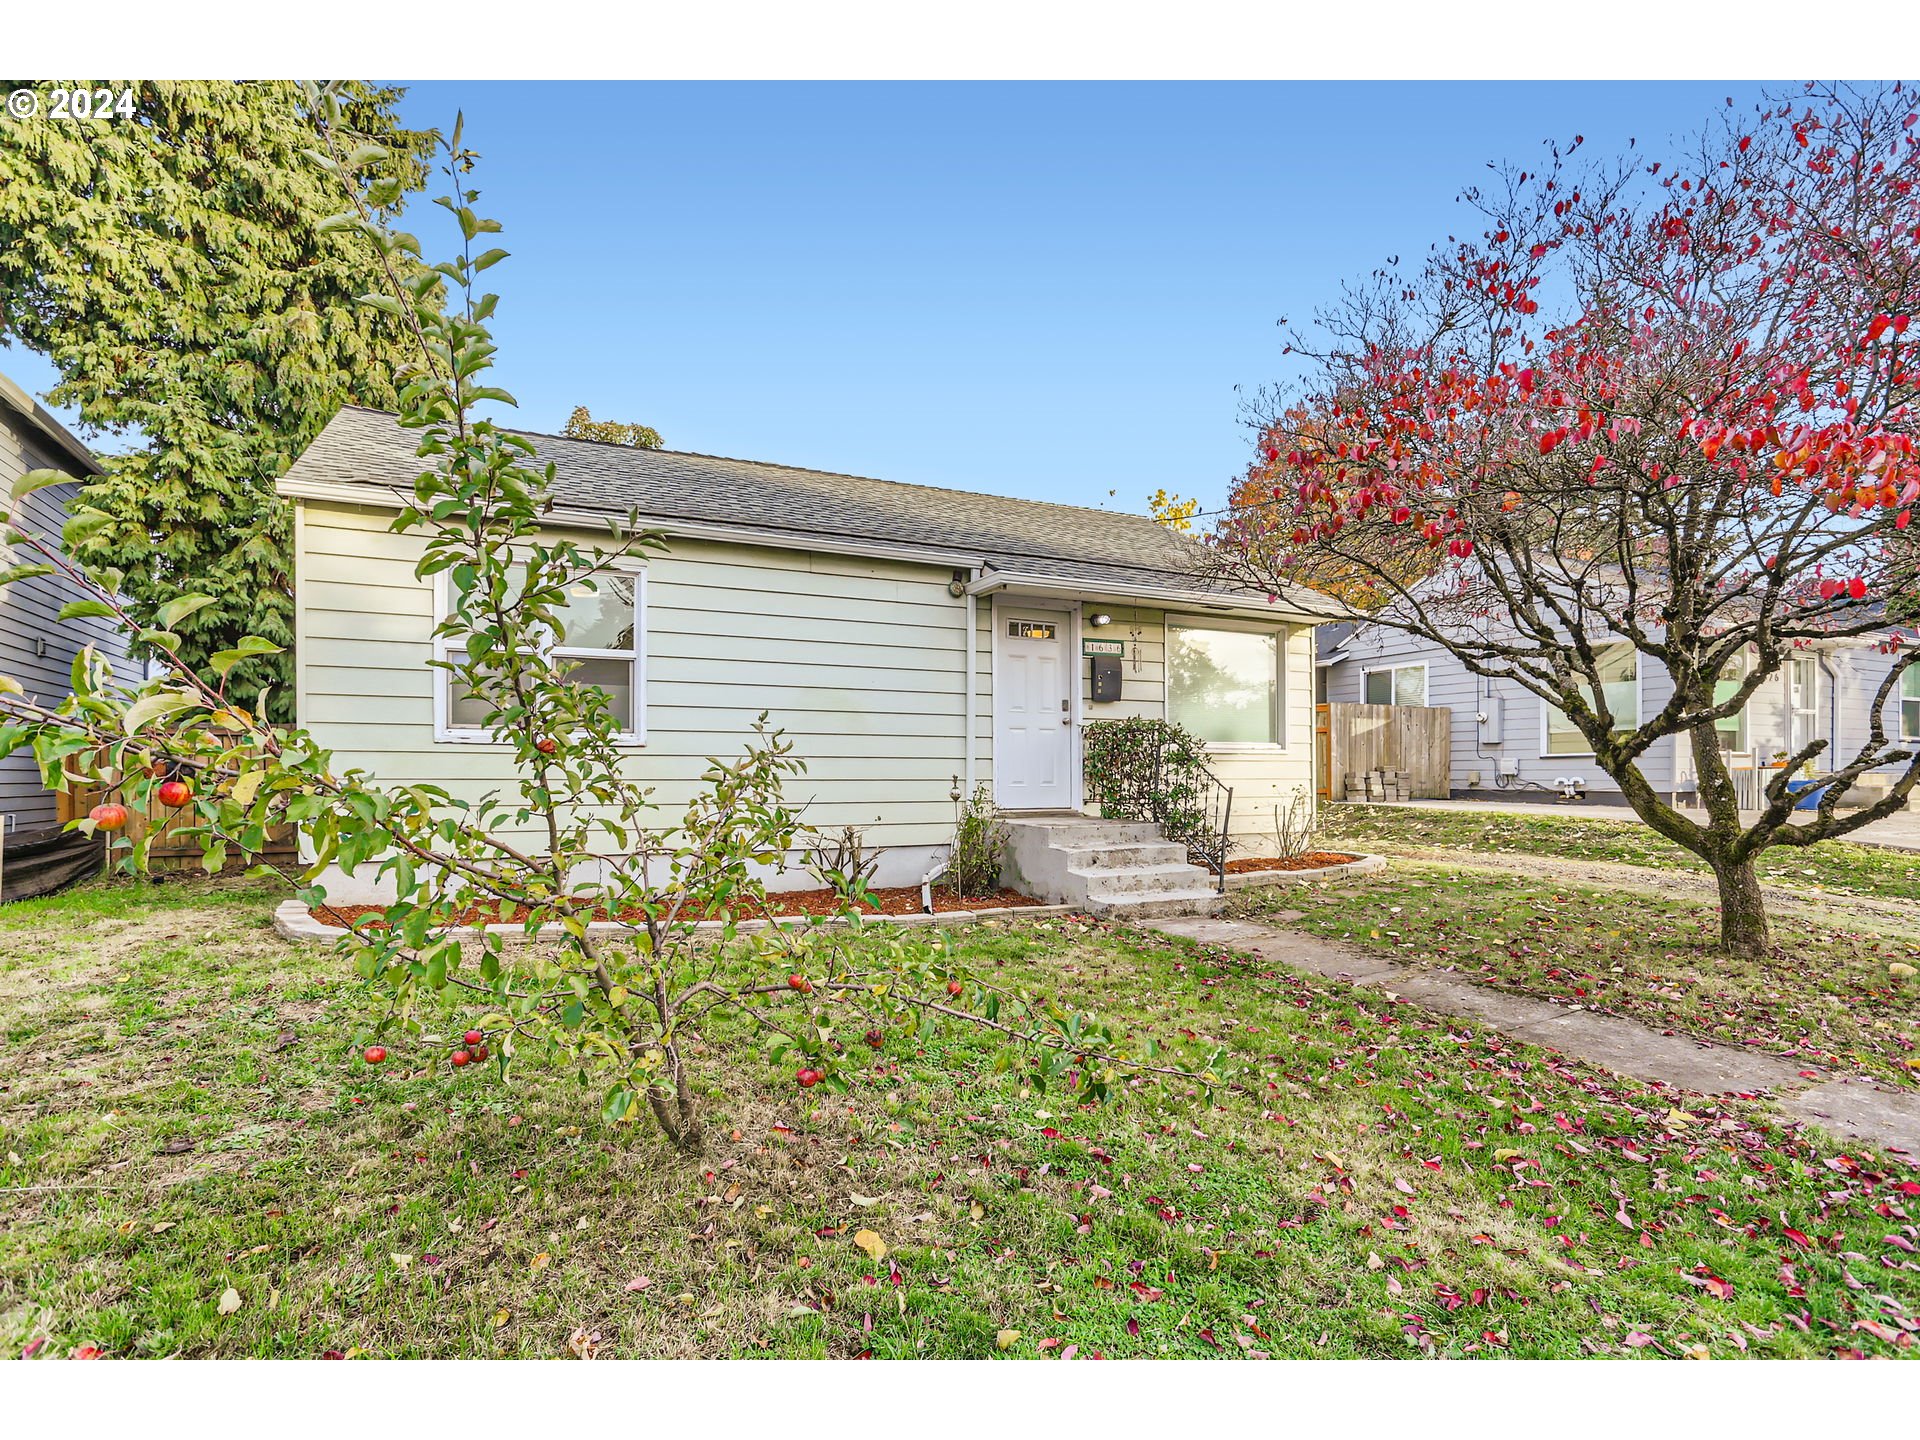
[[1834, 866], [182, 1116], [1826, 995]]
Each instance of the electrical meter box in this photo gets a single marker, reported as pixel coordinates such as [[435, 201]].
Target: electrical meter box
[[1492, 731], [1106, 678]]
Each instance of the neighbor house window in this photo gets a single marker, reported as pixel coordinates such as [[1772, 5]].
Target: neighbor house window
[[1731, 730], [1619, 667], [1398, 685], [1910, 703], [602, 644], [1224, 684]]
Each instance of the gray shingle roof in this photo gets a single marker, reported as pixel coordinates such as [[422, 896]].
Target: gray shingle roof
[[1063, 543]]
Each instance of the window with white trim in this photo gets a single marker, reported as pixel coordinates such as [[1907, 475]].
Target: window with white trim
[[1223, 684], [603, 643], [1910, 703], [1395, 685], [1731, 730], [1619, 667]]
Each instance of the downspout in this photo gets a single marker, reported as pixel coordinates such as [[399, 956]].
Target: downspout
[[970, 723]]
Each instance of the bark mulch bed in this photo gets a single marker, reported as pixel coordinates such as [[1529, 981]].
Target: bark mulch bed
[[1312, 860], [900, 900]]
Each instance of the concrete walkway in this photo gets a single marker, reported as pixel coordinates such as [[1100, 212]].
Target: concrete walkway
[[1896, 832], [1853, 1106]]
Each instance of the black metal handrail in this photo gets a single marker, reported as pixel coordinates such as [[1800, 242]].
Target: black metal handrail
[[1185, 798]]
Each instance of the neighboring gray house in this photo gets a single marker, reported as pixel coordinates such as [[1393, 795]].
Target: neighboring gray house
[[1508, 743], [35, 648]]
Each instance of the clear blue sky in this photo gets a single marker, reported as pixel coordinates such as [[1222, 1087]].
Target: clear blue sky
[[1049, 291]]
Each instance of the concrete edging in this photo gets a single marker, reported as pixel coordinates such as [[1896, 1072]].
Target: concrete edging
[[294, 921], [1260, 879]]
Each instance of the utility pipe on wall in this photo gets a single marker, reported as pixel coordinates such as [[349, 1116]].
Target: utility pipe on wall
[[969, 617]]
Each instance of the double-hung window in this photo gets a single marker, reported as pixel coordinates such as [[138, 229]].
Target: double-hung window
[[1910, 703], [1223, 682], [602, 643], [1619, 667], [1395, 685]]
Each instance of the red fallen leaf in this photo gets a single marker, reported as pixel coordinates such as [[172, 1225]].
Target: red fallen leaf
[[1207, 1335], [1133, 1327], [1052, 1343], [333, 1355], [1797, 1238], [1639, 1339], [88, 1352], [1050, 1132], [1900, 1242], [1478, 1297]]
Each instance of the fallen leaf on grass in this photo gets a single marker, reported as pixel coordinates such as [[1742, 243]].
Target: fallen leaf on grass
[[229, 1301], [863, 1201], [639, 1282], [1005, 1339], [539, 1262], [875, 1247]]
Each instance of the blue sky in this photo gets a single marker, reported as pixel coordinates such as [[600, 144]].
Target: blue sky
[[1049, 291]]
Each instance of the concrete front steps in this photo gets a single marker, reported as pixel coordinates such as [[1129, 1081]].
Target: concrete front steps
[[1117, 869]]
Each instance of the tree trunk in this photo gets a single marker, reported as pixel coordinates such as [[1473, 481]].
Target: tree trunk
[[671, 1100], [1743, 914]]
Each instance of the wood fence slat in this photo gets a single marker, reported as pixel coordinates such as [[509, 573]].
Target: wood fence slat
[[1360, 739]]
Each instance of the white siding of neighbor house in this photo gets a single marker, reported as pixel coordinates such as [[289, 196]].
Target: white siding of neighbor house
[[1848, 677], [1451, 684], [860, 661], [27, 611]]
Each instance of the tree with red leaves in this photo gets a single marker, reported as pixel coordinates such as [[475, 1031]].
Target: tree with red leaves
[[1667, 403]]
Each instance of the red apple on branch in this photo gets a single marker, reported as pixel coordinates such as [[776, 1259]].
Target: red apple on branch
[[108, 817]]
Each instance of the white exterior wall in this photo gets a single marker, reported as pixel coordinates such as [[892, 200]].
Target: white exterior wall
[[1523, 715], [1848, 676]]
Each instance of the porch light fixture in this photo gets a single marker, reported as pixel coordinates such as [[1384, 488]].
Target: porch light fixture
[[1099, 619]]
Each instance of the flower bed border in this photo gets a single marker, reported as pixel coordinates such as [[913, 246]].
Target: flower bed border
[[1258, 879], [295, 921]]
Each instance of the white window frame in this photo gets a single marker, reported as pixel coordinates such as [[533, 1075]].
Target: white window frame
[[447, 733], [1901, 699], [1547, 707], [1426, 680], [1281, 653]]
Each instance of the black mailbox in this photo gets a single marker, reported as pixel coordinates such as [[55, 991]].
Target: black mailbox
[[1106, 677]]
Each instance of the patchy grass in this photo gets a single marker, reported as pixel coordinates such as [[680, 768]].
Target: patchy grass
[[1825, 995], [1834, 866], [182, 1116]]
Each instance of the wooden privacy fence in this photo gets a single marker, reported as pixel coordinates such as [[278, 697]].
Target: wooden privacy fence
[[1356, 739], [165, 851]]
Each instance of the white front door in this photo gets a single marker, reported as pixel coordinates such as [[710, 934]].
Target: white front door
[[1033, 733]]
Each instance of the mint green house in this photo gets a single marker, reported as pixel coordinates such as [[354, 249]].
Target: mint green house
[[903, 636]]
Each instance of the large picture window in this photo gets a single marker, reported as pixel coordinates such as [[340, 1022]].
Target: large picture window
[[1223, 684], [1619, 667], [1395, 685], [603, 644]]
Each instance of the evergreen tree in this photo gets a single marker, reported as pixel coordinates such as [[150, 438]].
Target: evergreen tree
[[174, 269]]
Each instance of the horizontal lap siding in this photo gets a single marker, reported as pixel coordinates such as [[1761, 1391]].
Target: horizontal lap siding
[[1260, 779], [28, 611], [1451, 684], [858, 661]]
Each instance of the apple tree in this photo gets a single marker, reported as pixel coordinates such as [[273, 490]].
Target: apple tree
[[577, 838]]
